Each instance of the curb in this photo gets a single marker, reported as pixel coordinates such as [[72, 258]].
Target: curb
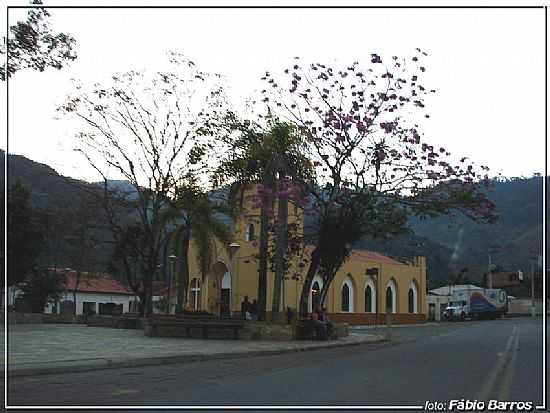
[[104, 364], [383, 326]]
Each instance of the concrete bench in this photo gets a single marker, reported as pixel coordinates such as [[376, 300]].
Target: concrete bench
[[154, 326], [306, 329]]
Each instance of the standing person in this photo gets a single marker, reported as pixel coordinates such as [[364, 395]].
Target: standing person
[[254, 310], [289, 315], [245, 308]]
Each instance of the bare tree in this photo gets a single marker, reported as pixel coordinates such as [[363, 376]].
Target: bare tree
[[154, 131], [84, 221]]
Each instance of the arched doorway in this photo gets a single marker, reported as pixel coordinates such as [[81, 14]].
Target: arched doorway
[[413, 298], [225, 298], [315, 292], [315, 295], [218, 290]]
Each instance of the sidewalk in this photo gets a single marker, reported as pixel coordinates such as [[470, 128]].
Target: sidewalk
[[56, 348], [381, 327]]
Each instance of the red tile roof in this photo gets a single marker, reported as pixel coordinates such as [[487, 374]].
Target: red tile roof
[[94, 282], [364, 256]]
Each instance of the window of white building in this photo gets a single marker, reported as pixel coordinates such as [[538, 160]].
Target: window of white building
[[196, 294]]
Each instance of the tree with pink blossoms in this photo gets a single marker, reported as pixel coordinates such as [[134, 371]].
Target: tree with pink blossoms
[[361, 125]]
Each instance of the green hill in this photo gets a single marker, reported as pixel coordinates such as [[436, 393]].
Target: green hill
[[449, 244], [510, 242]]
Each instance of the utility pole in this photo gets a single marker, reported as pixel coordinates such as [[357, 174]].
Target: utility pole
[[172, 258], [492, 249], [533, 312], [375, 274]]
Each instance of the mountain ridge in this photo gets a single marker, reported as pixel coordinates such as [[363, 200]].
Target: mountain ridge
[[450, 245]]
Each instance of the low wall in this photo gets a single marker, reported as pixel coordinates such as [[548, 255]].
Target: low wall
[[177, 331], [257, 330], [62, 319], [94, 321], [522, 306], [115, 322], [101, 321], [252, 330], [371, 319], [24, 318]]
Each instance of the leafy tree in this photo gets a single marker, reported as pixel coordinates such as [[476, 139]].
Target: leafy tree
[[33, 44], [154, 130], [361, 124], [41, 287], [25, 235]]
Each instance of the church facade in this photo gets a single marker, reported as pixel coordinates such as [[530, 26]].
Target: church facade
[[365, 286]]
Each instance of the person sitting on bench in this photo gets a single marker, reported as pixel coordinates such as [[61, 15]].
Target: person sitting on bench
[[320, 325]]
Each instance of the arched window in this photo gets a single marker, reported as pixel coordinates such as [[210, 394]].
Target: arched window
[[368, 300], [370, 296], [347, 295], [196, 294], [315, 295], [391, 297], [345, 298], [413, 298], [250, 235]]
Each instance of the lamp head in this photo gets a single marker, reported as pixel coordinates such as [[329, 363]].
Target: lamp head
[[234, 247]]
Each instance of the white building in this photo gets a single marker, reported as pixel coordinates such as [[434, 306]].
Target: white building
[[99, 293], [439, 298]]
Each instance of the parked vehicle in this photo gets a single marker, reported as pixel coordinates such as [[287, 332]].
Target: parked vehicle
[[485, 303]]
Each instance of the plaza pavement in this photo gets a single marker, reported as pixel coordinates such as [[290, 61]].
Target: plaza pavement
[[56, 348]]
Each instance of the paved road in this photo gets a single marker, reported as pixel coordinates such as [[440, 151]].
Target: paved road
[[481, 360]]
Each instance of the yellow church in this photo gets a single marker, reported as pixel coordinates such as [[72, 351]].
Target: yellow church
[[356, 296]]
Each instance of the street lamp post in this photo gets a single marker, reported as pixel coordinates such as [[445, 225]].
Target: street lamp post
[[172, 258], [373, 272], [233, 248]]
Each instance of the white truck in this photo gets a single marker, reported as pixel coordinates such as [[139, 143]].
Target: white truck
[[482, 303]]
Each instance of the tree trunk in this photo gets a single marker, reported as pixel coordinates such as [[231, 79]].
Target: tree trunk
[[141, 304], [268, 182], [262, 270], [77, 281], [312, 270], [183, 279], [148, 293], [324, 291], [280, 250]]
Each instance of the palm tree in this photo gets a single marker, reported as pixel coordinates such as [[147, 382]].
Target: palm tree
[[200, 219], [268, 158], [249, 163]]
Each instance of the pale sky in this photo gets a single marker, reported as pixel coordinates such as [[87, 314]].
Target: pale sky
[[487, 66]]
